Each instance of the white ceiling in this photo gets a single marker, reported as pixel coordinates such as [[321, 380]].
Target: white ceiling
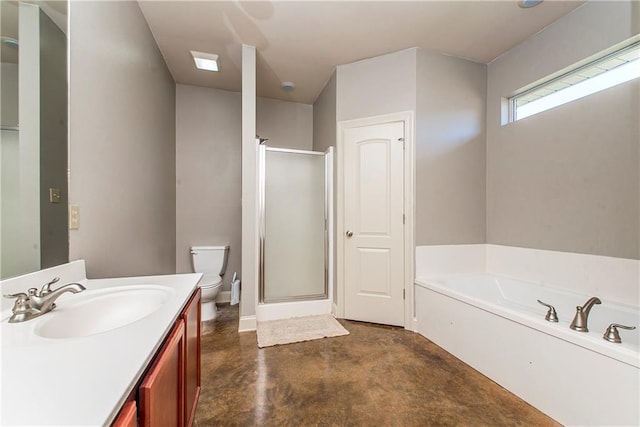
[[303, 41]]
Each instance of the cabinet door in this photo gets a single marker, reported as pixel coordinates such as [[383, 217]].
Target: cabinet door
[[162, 391], [127, 416], [191, 317]]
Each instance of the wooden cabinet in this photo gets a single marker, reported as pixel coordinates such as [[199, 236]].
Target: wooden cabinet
[[162, 390], [168, 394], [128, 416], [191, 317]]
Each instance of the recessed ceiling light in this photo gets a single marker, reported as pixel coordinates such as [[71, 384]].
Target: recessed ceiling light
[[526, 4], [288, 86], [205, 61]]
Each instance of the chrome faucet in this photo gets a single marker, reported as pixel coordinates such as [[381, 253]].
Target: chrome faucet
[[38, 302], [579, 322]]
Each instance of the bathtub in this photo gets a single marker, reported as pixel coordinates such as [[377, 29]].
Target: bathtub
[[495, 325]]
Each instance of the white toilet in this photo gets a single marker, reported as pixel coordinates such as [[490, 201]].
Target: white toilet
[[212, 261]]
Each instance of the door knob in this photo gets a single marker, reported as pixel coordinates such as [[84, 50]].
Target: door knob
[[349, 233]]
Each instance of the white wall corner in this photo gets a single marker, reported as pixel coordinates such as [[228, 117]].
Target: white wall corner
[[438, 260], [615, 279]]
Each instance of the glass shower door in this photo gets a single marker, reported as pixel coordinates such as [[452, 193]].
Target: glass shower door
[[293, 232]]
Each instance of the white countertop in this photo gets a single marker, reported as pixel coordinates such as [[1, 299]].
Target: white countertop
[[82, 381]]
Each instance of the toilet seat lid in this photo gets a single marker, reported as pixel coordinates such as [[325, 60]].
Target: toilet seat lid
[[210, 280]]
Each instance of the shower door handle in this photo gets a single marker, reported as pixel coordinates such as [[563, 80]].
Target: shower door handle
[[349, 233]]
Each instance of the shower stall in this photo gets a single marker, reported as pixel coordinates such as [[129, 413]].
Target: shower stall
[[295, 223]]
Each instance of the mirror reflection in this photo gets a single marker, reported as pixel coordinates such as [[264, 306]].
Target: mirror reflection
[[33, 151]]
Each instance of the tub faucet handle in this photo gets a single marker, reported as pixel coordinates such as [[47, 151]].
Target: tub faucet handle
[[551, 316], [612, 335]]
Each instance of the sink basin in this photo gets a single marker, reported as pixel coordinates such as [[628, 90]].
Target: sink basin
[[94, 312]]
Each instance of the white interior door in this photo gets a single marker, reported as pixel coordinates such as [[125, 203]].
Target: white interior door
[[373, 221]]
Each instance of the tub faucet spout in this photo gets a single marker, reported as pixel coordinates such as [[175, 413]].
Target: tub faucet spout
[[579, 322]]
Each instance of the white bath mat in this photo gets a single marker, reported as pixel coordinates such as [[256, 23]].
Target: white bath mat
[[298, 329]]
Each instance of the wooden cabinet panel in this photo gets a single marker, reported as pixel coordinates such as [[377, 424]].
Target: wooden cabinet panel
[[191, 317], [162, 391], [168, 394], [128, 416]]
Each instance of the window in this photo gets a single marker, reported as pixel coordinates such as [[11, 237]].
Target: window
[[608, 69]]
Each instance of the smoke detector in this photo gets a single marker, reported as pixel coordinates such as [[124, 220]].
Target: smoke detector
[[288, 86], [526, 4], [9, 42]]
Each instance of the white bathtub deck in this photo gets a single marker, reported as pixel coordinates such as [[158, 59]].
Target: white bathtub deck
[[576, 378]]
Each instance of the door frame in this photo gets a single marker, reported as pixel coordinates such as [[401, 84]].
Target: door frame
[[407, 117]]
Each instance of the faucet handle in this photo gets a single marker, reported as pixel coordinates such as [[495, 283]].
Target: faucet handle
[[20, 295], [612, 335], [551, 316], [22, 302], [47, 287]]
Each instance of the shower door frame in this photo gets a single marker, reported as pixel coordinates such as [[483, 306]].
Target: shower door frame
[[328, 184]]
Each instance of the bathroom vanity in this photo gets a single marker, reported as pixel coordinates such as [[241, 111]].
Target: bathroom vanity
[[123, 352], [169, 390]]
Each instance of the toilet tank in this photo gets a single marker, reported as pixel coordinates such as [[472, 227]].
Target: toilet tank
[[209, 259]]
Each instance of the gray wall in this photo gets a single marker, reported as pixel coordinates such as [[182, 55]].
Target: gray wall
[[450, 150], [447, 95], [286, 124], [122, 143], [566, 179], [324, 136], [11, 237], [381, 85], [208, 175], [54, 235], [9, 94], [324, 117], [208, 161]]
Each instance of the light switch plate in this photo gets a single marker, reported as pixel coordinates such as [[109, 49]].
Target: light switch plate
[[54, 195], [74, 217]]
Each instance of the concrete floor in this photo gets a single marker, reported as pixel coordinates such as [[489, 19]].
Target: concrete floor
[[376, 376]]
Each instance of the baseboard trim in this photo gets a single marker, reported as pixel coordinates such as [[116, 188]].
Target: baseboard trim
[[224, 297], [413, 326], [247, 323]]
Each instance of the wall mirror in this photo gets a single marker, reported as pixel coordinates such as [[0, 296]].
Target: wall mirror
[[33, 151]]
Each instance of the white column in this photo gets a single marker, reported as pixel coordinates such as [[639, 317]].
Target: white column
[[249, 290]]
